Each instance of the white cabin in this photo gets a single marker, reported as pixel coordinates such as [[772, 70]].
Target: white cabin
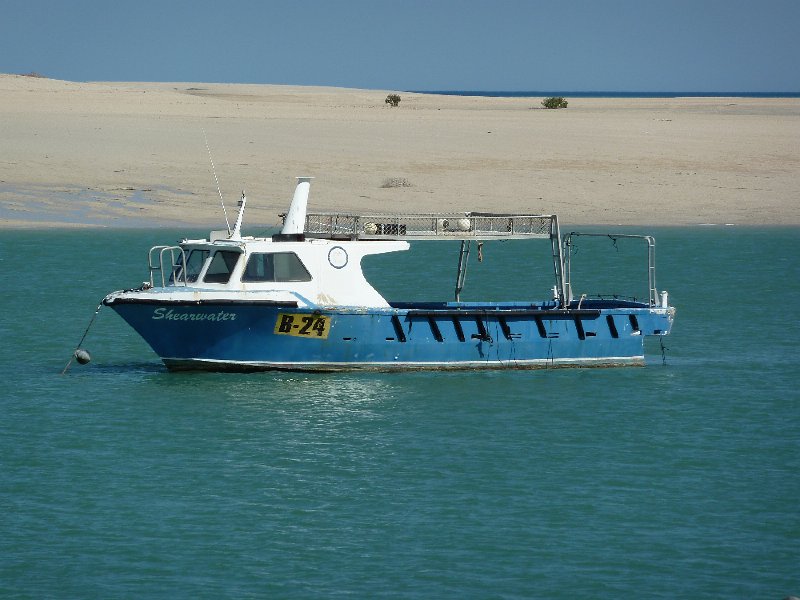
[[313, 272]]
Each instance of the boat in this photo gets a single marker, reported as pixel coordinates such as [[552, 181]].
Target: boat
[[299, 300]]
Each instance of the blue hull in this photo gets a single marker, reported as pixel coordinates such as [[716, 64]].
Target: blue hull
[[218, 335]]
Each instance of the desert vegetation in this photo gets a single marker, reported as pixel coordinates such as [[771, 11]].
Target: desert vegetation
[[554, 102], [395, 182]]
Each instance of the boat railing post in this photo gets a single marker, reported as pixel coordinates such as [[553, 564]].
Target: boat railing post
[[651, 269], [463, 260], [161, 264], [567, 245], [558, 261], [150, 266]]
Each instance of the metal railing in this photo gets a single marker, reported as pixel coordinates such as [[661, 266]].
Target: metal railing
[[177, 268], [651, 260], [463, 226]]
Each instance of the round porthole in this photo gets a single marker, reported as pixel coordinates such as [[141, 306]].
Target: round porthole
[[337, 257]]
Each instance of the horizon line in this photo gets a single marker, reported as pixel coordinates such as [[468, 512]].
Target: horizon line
[[462, 91]]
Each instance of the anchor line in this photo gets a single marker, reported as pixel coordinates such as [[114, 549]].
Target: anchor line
[[85, 333], [663, 350]]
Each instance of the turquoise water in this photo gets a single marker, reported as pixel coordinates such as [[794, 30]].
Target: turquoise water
[[610, 94], [120, 480]]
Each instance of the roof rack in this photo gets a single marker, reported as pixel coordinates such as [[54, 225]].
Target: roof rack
[[427, 226]]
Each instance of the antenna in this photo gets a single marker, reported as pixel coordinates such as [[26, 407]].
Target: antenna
[[219, 191]]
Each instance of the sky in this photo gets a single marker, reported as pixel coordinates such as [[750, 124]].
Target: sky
[[478, 45]]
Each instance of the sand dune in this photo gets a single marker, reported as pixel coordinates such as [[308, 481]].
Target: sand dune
[[134, 154]]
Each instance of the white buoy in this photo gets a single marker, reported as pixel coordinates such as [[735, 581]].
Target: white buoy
[[82, 356]]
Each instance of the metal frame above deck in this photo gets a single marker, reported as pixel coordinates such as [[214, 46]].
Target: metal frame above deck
[[651, 259], [428, 226]]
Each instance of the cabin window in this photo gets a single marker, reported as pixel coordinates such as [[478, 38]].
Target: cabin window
[[194, 264], [221, 267], [275, 266]]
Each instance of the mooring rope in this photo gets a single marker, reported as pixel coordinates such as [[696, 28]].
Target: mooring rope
[[75, 352]]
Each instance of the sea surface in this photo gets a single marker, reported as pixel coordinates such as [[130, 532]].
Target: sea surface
[[680, 479], [601, 94]]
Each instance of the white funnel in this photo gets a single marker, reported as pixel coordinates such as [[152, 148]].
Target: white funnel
[[295, 221]]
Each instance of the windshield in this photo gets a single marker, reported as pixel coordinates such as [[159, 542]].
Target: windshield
[[221, 267], [194, 264]]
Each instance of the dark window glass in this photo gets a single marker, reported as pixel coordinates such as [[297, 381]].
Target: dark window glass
[[275, 266], [221, 267]]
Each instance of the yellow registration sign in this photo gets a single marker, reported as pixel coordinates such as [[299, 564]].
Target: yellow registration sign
[[303, 325]]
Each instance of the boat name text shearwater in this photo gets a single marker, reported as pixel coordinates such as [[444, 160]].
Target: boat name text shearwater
[[170, 315]]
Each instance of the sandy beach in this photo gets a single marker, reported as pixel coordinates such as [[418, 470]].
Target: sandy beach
[[133, 154]]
